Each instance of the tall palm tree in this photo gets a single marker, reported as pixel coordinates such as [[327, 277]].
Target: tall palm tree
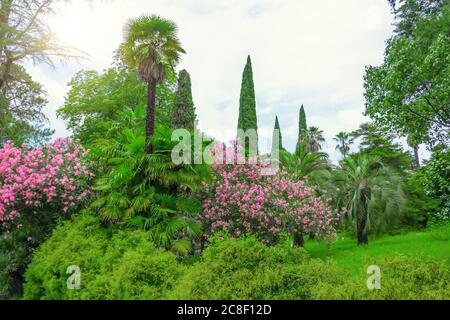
[[314, 138], [136, 189], [364, 181], [344, 140], [152, 47]]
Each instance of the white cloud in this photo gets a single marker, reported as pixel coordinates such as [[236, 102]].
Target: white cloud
[[311, 52]]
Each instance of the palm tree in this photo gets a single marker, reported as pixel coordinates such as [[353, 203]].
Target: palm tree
[[344, 140], [136, 189], [304, 163], [151, 47], [314, 138], [365, 181]]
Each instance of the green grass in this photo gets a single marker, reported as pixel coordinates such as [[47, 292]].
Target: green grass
[[430, 245]]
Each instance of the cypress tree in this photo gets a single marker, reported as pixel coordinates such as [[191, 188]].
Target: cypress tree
[[247, 103], [302, 127], [183, 112], [274, 136]]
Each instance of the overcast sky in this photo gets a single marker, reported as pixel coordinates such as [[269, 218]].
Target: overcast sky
[[310, 52]]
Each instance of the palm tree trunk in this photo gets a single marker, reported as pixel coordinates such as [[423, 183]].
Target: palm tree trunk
[[299, 239], [361, 223], [150, 118]]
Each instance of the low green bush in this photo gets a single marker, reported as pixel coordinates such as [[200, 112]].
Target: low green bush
[[247, 269], [117, 264], [441, 232], [402, 278], [121, 265]]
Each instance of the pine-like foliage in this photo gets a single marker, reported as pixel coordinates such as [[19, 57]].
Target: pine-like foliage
[[277, 136], [147, 191], [183, 112], [302, 127], [247, 103]]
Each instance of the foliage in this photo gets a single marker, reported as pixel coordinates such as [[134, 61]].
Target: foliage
[[242, 200], [114, 265], [54, 175], [124, 265], [420, 207], [277, 136], [441, 232], [437, 177], [247, 105], [242, 268], [38, 188], [402, 278], [145, 191], [95, 99], [152, 48], [183, 111], [314, 139], [21, 117], [25, 36], [371, 192], [302, 127], [313, 165], [378, 143], [408, 93], [343, 140]]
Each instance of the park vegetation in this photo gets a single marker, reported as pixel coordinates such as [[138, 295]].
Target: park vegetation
[[111, 201]]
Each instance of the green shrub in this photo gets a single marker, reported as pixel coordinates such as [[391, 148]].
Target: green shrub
[[402, 278], [124, 265], [441, 232], [246, 269]]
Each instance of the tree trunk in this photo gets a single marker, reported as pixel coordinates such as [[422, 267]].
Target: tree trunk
[[299, 240], [150, 118], [416, 163], [361, 223]]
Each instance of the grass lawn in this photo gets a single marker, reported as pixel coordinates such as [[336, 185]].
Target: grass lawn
[[429, 245]]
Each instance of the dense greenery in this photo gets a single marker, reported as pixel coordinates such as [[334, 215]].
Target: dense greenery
[[408, 93], [114, 264], [302, 127], [183, 111], [114, 203], [24, 36], [124, 265]]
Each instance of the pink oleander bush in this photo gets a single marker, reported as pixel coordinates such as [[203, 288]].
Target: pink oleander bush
[[242, 201], [38, 188], [54, 176]]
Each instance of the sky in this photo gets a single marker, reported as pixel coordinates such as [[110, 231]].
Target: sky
[[310, 52]]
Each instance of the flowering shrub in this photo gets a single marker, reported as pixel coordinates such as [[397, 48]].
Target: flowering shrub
[[243, 201], [53, 176]]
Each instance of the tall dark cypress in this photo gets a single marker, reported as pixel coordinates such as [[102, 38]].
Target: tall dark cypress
[[247, 103], [279, 137], [302, 127], [183, 112]]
